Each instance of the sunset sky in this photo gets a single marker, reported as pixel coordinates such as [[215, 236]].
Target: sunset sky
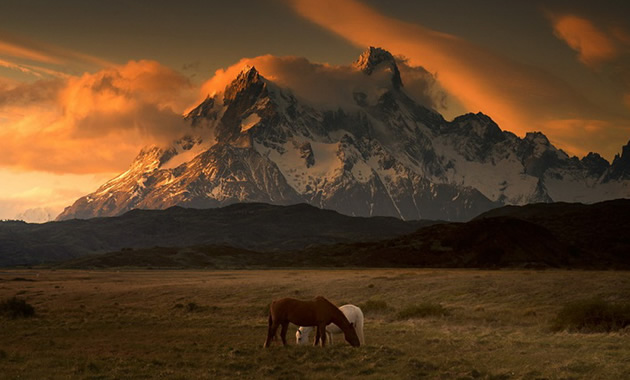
[[84, 85]]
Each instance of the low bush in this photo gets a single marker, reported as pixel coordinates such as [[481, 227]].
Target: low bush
[[591, 316], [422, 310], [16, 308], [372, 306], [192, 307]]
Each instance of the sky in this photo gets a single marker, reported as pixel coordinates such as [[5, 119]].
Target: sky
[[84, 85]]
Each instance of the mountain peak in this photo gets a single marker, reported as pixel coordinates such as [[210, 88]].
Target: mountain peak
[[249, 72], [475, 116], [620, 167], [373, 57], [248, 78], [537, 138]]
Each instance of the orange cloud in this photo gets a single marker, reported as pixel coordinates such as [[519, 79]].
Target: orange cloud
[[592, 44], [519, 97], [597, 46], [92, 123]]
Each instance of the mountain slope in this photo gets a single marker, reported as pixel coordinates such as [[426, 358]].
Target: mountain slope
[[378, 152]]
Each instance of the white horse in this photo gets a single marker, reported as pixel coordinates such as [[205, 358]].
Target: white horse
[[354, 315]]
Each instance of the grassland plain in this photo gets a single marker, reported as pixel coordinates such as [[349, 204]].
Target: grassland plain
[[181, 324]]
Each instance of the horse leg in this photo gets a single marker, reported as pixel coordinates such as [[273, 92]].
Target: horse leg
[[316, 337], [329, 335], [322, 330], [359, 329], [283, 333]]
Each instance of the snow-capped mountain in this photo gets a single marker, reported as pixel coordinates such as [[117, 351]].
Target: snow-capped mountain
[[383, 154], [37, 215]]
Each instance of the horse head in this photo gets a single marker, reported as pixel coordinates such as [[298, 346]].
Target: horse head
[[301, 336], [351, 336]]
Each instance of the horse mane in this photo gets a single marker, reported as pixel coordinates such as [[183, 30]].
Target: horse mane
[[339, 318]]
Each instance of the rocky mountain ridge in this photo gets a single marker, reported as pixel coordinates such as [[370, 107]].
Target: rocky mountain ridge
[[385, 154]]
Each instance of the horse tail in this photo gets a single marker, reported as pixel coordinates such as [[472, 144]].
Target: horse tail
[[269, 323], [359, 326], [269, 331]]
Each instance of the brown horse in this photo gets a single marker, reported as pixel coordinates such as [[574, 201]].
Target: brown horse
[[319, 312]]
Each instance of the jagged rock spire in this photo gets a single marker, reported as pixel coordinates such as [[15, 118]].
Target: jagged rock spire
[[373, 57], [248, 80], [620, 168]]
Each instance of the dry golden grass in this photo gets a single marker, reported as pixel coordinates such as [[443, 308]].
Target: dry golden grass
[[212, 324]]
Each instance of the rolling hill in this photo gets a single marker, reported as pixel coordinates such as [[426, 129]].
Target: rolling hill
[[250, 226], [561, 235]]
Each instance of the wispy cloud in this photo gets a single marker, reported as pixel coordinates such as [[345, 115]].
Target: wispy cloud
[[519, 97], [11, 49], [41, 59], [34, 70], [18, 67]]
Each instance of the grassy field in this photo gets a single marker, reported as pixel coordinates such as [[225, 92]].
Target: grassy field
[[434, 324]]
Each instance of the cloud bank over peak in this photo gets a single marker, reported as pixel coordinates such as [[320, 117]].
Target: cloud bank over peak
[[326, 85]]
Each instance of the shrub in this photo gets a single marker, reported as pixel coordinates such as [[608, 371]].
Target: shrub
[[590, 316], [374, 306], [16, 308], [192, 307], [422, 310]]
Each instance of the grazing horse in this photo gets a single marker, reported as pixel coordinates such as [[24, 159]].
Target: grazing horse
[[318, 312], [352, 313]]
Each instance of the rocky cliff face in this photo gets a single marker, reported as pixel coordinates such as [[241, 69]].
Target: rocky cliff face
[[384, 155]]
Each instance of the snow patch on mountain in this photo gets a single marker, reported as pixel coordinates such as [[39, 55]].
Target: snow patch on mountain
[[183, 154], [249, 122], [291, 162]]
